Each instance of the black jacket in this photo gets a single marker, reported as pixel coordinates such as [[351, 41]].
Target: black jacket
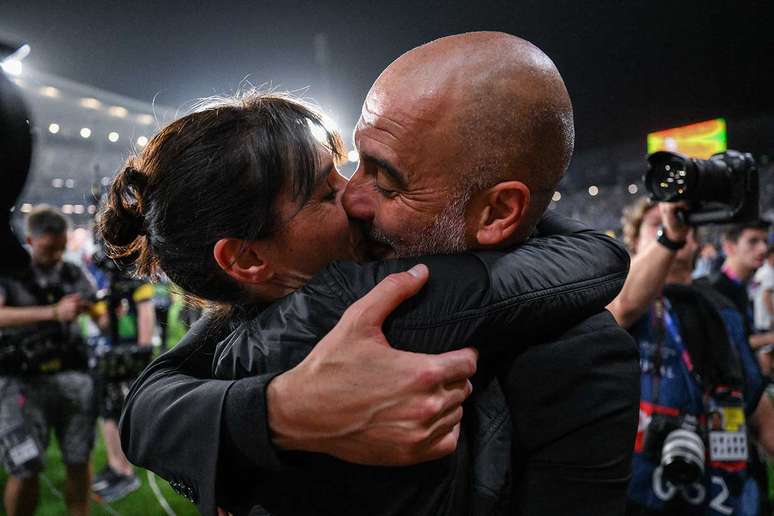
[[542, 288]]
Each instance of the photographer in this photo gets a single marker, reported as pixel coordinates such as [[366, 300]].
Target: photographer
[[43, 382], [700, 384], [130, 311]]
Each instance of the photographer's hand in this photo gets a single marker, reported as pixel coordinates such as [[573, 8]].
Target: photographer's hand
[[358, 399], [675, 230], [68, 308], [651, 264]]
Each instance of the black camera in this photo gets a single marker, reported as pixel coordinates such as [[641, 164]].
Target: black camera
[[675, 443], [722, 189]]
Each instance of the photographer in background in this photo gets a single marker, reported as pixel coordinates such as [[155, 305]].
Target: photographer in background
[[131, 316], [745, 247], [701, 388], [43, 380]]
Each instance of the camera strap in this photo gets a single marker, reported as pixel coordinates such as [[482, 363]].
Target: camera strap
[[664, 324]]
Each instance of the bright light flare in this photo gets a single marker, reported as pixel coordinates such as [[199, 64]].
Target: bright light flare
[[593, 190], [85, 132], [557, 197], [113, 137], [142, 141], [353, 156], [12, 67], [53, 128], [90, 103], [633, 189]]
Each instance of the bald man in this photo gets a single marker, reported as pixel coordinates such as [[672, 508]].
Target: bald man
[[462, 142], [468, 159]]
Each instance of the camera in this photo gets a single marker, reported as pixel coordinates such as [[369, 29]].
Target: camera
[[722, 189], [675, 443]]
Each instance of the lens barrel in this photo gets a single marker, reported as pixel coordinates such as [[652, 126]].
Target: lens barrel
[[682, 457]]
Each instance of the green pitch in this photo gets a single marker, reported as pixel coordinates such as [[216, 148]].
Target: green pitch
[[142, 502]]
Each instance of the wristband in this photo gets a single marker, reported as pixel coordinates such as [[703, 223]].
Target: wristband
[[666, 242]]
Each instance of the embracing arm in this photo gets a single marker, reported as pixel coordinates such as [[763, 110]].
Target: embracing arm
[[500, 302], [202, 433]]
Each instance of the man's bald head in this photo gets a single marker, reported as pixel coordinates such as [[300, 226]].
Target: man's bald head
[[497, 98]]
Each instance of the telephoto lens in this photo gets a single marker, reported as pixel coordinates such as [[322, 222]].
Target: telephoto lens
[[682, 457], [673, 177]]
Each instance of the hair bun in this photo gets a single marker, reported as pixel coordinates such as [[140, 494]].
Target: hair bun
[[122, 220]]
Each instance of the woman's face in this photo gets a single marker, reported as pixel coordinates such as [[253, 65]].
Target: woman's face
[[316, 233]]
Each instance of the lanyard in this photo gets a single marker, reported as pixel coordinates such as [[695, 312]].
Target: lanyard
[[664, 323]]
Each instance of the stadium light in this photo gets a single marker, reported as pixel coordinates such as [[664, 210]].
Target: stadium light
[[67, 209], [85, 132], [57, 182], [142, 141], [593, 190], [113, 137], [118, 111], [633, 189], [92, 209], [53, 128], [353, 156], [90, 103], [78, 209], [26, 207], [70, 183], [145, 119], [49, 91], [12, 65], [557, 197]]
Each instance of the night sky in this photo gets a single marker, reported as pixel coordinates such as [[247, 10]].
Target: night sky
[[630, 66]]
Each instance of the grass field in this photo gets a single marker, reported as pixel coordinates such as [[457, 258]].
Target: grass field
[[142, 502]]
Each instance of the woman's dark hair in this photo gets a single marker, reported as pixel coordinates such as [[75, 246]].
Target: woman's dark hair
[[212, 174]]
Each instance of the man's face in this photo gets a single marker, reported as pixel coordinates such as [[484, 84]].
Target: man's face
[[404, 192], [749, 250], [47, 249]]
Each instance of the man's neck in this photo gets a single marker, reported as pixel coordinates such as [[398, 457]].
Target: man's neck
[[740, 272]]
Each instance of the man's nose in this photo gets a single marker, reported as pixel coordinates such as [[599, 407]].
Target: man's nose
[[359, 198]]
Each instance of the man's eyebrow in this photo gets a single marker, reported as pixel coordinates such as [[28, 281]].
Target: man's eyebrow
[[396, 176]]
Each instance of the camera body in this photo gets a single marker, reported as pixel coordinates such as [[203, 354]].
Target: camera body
[[719, 190], [676, 443]]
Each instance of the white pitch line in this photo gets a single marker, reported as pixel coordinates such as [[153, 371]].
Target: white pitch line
[[160, 497]]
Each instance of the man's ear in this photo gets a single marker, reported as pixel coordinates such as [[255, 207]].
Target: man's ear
[[501, 210], [242, 260]]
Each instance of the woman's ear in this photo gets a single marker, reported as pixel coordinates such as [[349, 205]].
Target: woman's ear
[[242, 260], [501, 210]]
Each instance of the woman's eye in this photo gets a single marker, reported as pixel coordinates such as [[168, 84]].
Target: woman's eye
[[330, 196]]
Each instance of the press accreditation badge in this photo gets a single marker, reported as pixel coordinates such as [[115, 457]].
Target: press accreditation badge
[[727, 429], [24, 451]]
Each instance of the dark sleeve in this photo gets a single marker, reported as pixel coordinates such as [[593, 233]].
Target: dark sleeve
[[554, 280], [183, 425], [574, 402]]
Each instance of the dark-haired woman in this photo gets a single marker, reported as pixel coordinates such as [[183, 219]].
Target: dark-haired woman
[[248, 180]]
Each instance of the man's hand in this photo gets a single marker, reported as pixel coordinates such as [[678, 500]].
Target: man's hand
[[358, 399], [675, 230], [68, 308]]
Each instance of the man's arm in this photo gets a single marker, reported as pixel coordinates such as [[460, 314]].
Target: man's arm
[[65, 310], [648, 271], [186, 426], [763, 421]]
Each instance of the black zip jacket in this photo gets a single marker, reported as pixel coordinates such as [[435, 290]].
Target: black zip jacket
[[501, 302]]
